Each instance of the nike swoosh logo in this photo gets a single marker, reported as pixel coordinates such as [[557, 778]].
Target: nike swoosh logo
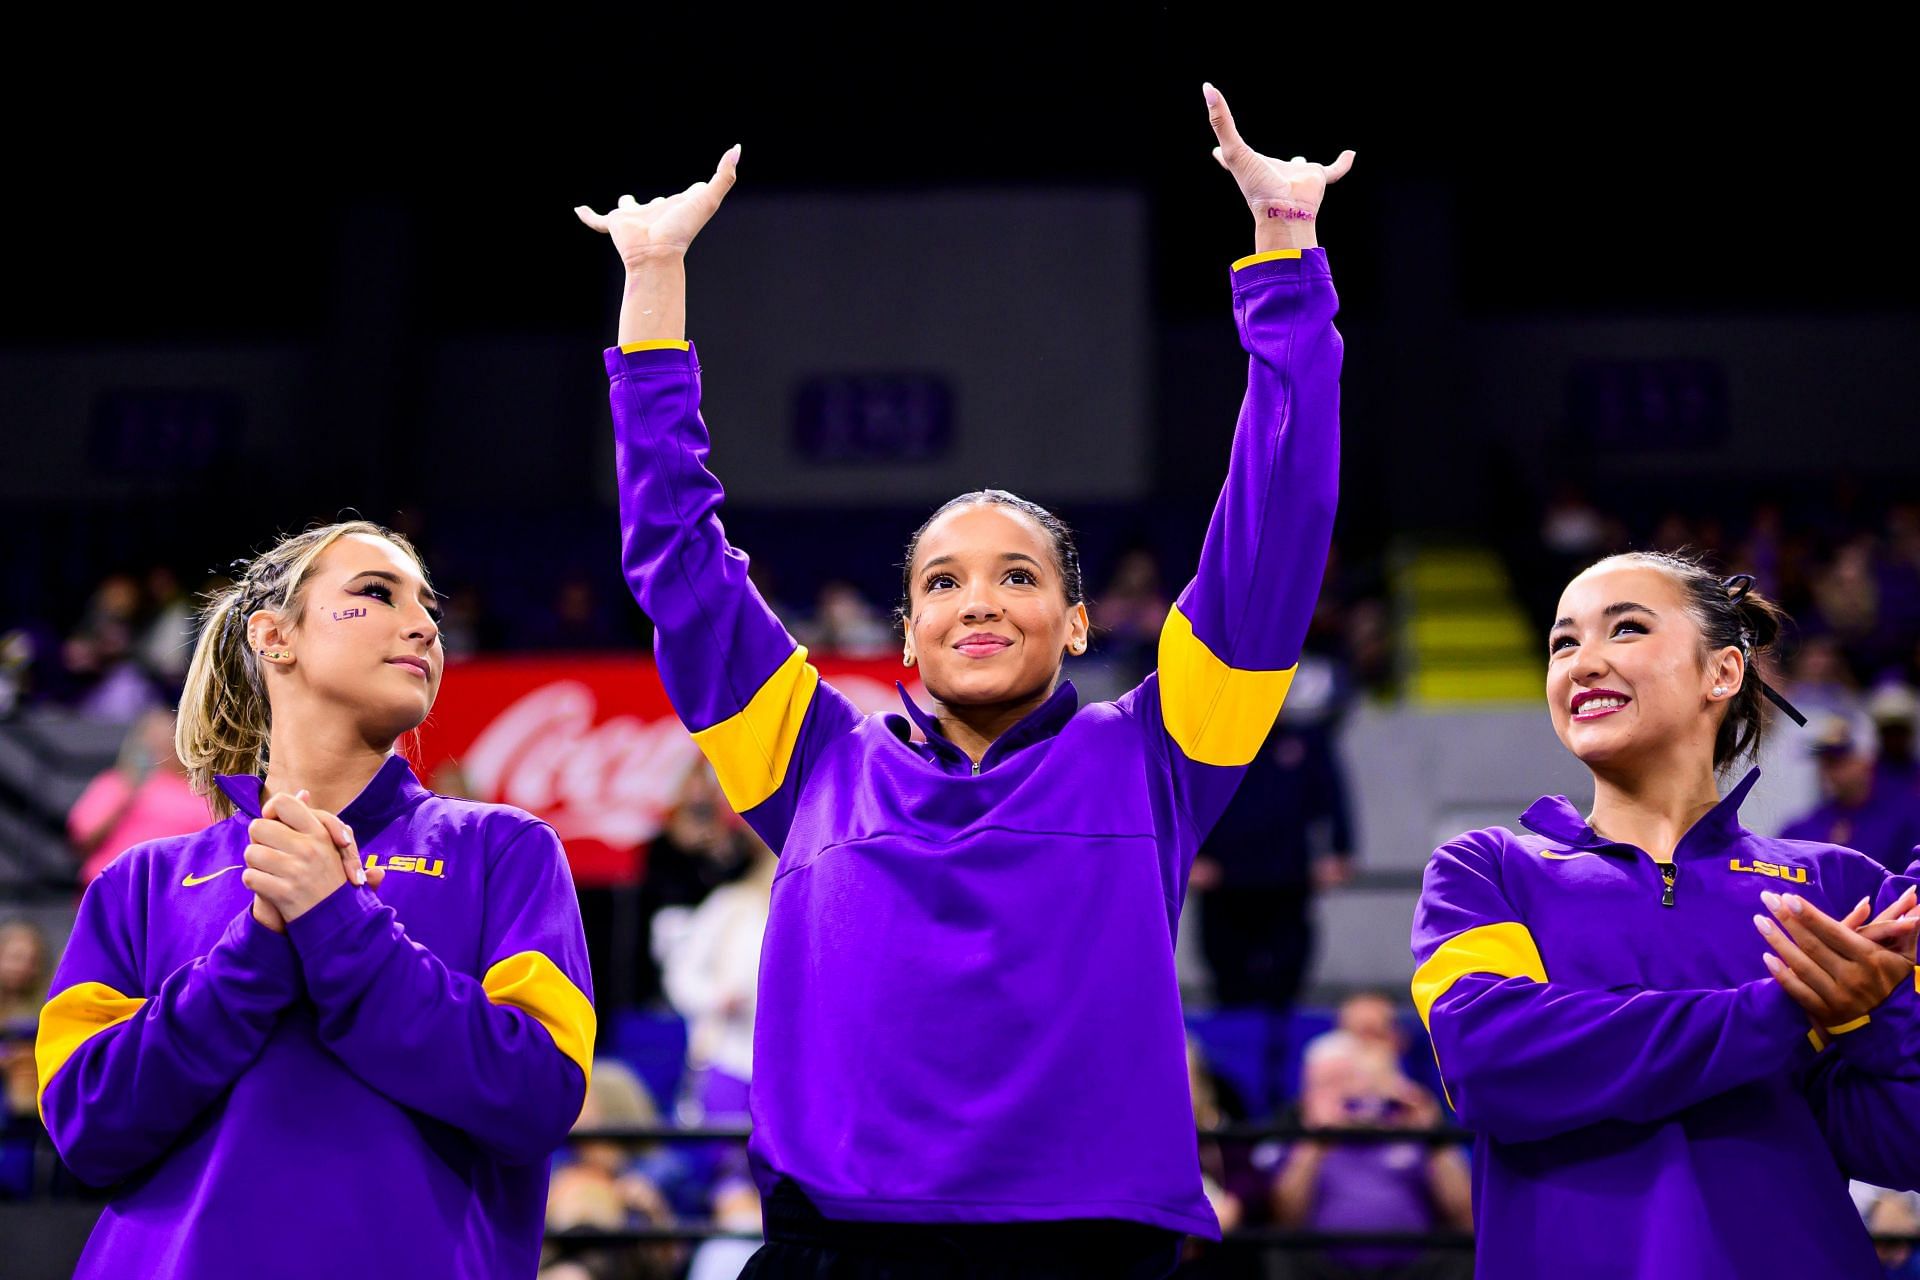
[[193, 880], [1548, 853]]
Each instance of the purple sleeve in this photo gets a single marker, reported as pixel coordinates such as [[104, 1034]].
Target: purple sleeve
[[504, 1057], [755, 705], [1865, 1092], [125, 1068], [1232, 640], [1523, 1057]]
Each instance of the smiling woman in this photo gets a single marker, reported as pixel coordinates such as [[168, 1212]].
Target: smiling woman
[[1598, 999], [968, 969], [252, 1044]]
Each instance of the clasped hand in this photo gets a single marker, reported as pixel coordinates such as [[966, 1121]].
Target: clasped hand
[[297, 854], [1838, 970]]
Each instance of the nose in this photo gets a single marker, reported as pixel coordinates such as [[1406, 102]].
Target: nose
[[980, 607], [421, 626]]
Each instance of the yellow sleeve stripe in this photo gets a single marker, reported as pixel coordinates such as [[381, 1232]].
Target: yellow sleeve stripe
[[1855, 1025], [72, 1018], [659, 344], [534, 984], [1505, 950], [1818, 1041], [1272, 255], [1217, 714], [752, 748]]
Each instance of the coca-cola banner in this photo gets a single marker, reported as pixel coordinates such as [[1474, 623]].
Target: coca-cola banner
[[588, 743]]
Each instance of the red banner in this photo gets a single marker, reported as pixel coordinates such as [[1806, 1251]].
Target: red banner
[[588, 743]]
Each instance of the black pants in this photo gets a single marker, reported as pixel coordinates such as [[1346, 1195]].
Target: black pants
[[1259, 942], [802, 1245]]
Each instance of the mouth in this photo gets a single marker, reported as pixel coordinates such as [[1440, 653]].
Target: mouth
[[417, 665], [983, 645], [1597, 704]]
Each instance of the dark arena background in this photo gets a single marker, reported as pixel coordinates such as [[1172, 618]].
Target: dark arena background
[[1597, 294]]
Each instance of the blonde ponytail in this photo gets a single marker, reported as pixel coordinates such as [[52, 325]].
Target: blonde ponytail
[[225, 721]]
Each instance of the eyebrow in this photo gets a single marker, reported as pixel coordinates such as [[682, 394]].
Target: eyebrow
[[426, 593], [1005, 557], [1613, 610]]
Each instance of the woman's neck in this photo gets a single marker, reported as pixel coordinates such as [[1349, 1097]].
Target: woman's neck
[[973, 729], [1653, 807], [333, 768]]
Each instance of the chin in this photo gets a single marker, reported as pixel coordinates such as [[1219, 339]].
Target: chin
[[979, 688]]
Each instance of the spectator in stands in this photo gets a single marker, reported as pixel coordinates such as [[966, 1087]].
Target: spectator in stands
[[711, 976], [1373, 1019], [1127, 617], [1860, 809], [101, 653], [146, 795], [1892, 1213], [703, 846], [609, 1185], [844, 622], [1286, 834], [166, 638], [25, 966], [1351, 1083], [1892, 708]]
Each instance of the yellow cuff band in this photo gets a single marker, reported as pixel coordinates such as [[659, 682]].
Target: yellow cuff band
[[1272, 255], [661, 344]]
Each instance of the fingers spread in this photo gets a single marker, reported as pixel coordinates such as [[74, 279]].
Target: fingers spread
[[628, 202], [588, 216], [1338, 169]]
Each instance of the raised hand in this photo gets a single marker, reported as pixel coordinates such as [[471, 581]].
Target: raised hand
[[1282, 194], [1830, 969], [665, 224]]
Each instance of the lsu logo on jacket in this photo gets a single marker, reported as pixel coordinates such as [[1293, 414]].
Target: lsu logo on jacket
[[418, 864], [1798, 875]]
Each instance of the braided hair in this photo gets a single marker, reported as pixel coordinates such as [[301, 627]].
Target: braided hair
[[225, 721]]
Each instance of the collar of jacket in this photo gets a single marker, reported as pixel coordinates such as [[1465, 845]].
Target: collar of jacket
[[392, 789], [1043, 721], [1555, 818]]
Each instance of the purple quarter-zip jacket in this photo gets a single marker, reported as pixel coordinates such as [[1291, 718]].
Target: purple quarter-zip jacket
[[375, 1093], [967, 1008], [1649, 1102]]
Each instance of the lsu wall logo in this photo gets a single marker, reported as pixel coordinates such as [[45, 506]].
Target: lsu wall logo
[[419, 865], [1798, 875]]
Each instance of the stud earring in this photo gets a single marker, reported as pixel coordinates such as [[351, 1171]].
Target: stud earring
[[906, 659], [1719, 691]]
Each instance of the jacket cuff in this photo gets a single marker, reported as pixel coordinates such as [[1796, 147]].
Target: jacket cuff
[[1884, 1043], [265, 958], [1279, 264], [337, 913], [641, 357]]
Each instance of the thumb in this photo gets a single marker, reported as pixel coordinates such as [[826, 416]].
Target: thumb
[[375, 876], [1221, 118], [293, 811], [1338, 169], [342, 836]]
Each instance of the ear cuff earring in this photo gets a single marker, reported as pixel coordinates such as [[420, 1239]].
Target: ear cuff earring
[[275, 656]]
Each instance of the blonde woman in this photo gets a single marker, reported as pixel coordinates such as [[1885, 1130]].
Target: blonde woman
[[284, 1073]]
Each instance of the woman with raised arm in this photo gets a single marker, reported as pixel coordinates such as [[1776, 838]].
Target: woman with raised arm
[[969, 1042], [284, 1074], [1657, 1094]]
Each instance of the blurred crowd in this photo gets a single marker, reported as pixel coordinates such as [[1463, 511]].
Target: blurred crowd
[[683, 942]]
